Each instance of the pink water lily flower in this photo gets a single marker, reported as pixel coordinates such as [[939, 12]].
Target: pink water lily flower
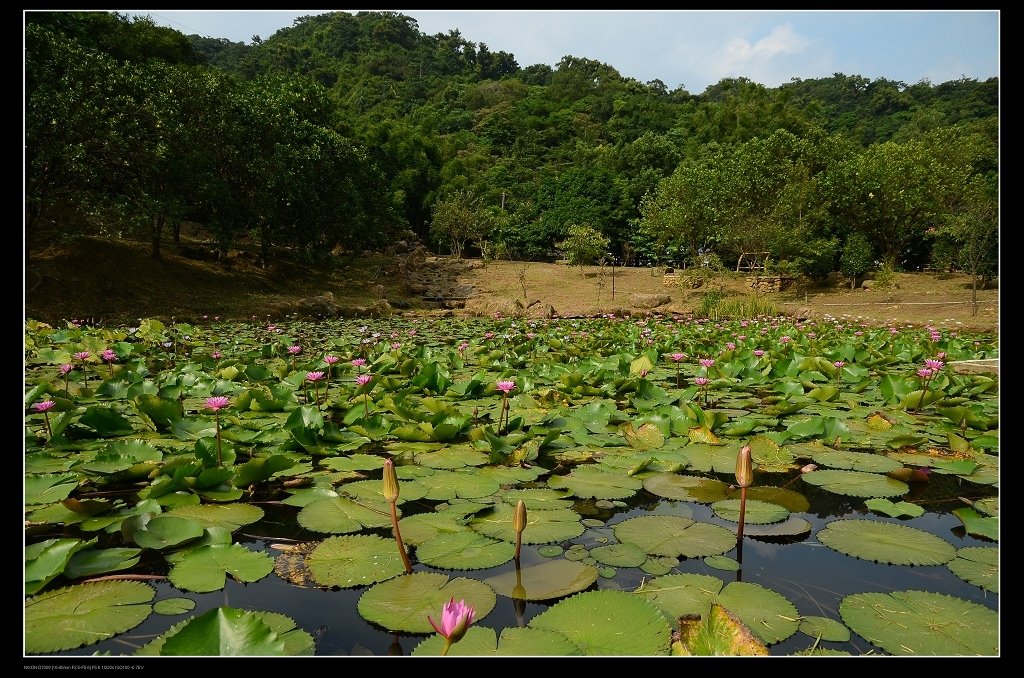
[[314, 376], [216, 355], [330, 359], [758, 352], [701, 381], [82, 355], [44, 406], [359, 362], [839, 363], [678, 356], [217, 403], [295, 350], [506, 386], [65, 368], [108, 355], [706, 362], [924, 373], [363, 379], [455, 620], [934, 365]]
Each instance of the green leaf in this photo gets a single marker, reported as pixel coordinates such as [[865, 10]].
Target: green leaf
[[230, 517], [48, 488], [46, 560], [205, 568], [789, 528], [595, 621], [856, 483], [896, 510], [542, 527], [589, 482], [260, 468], [355, 560], [675, 536], [514, 642], [71, 617], [341, 515], [856, 461], [824, 628], [619, 555], [173, 606], [544, 581], [920, 623], [977, 524], [98, 561], [402, 604], [719, 633], [465, 550], [886, 542], [224, 632], [978, 565], [166, 531], [106, 422], [757, 512], [686, 488]]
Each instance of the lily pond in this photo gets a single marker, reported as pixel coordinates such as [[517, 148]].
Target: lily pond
[[222, 488]]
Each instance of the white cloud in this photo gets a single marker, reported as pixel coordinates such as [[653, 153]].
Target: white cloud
[[768, 60]]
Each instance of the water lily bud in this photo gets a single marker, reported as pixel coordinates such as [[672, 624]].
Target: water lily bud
[[744, 468], [390, 482], [519, 520]]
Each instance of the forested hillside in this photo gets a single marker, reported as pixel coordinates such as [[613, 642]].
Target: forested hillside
[[344, 131]]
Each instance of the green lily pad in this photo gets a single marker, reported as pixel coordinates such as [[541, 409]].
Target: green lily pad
[[544, 581], [792, 501], [720, 633], [920, 623], [596, 622], [756, 513], [295, 641], [767, 455], [903, 508], [354, 560], [205, 568], [165, 531], [587, 482], [539, 498], [466, 550], [224, 632], [452, 457], [173, 606], [341, 515], [856, 461], [100, 561], [722, 563], [230, 516], [768, 614], [542, 527], [46, 560], [824, 628], [686, 488], [402, 604], [704, 457], [675, 536], [886, 542], [978, 565], [63, 619], [977, 524], [645, 437], [372, 491], [422, 527], [447, 485], [619, 555], [792, 527], [856, 483], [48, 487], [353, 462], [514, 642]]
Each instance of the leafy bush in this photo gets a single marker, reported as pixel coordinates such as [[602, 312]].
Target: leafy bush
[[818, 258], [584, 245], [856, 259], [885, 278], [709, 305]]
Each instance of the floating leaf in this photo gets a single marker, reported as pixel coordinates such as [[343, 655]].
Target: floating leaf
[[452, 457], [722, 563], [686, 488], [354, 561], [465, 550], [922, 623], [719, 633], [790, 528], [403, 603], [903, 508], [767, 455], [886, 542], [173, 606], [645, 437], [224, 632], [205, 568], [587, 482], [545, 581], [99, 561], [230, 517], [757, 512], [166, 531], [856, 461], [978, 565], [446, 485], [71, 617], [48, 488], [597, 623], [856, 483], [977, 524], [675, 536], [824, 628], [514, 642], [46, 560], [371, 492], [619, 555], [341, 515], [793, 501], [542, 527]]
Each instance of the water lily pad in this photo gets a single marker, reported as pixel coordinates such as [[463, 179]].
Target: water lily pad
[[452, 457], [466, 550], [704, 457], [720, 633], [895, 510], [619, 555], [675, 536], [46, 560], [372, 491], [545, 581], [856, 483], [919, 623], [767, 455], [768, 614], [757, 512], [793, 501], [686, 488], [293, 641], [341, 515], [230, 517], [353, 462], [163, 531], [587, 482], [542, 527], [595, 621], [978, 565], [403, 603], [66, 618], [722, 563], [100, 561], [824, 628], [514, 642], [508, 475], [539, 498], [645, 437], [173, 606], [856, 461], [354, 560], [205, 568], [446, 485], [978, 525], [48, 487], [421, 527], [886, 542], [792, 527], [550, 550], [224, 632]]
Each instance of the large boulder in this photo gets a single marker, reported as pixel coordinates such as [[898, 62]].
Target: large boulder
[[642, 300]]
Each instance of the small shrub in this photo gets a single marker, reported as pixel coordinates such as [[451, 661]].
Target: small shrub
[[709, 305], [885, 278], [750, 306]]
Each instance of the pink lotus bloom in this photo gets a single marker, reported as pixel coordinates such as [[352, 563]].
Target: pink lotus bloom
[[65, 368], [363, 379], [295, 350], [812, 335], [463, 346], [941, 355], [411, 333], [933, 365], [785, 339], [808, 468], [742, 337], [455, 619], [730, 346], [924, 373], [839, 363], [643, 373], [858, 333], [314, 376], [530, 335], [758, 352], [506, 386], [271, 328], [359, 362], [82, 355], [701, 381], [217, 403], [395, 345], [744, 323], [44, 406], [330, 359], [706, 362], [215, 355], [678, 356], [108, 355], [488, 335]]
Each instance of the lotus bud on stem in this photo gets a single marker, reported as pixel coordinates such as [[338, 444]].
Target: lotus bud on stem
[[744, 477], [391, 497], [519, 524], [455, 621]]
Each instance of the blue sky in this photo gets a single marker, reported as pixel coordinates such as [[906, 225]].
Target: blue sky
[[692, 48]]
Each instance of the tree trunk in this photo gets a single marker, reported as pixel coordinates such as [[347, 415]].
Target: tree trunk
[[177, 231], [156, 230], [264, 247], [974, 294]]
